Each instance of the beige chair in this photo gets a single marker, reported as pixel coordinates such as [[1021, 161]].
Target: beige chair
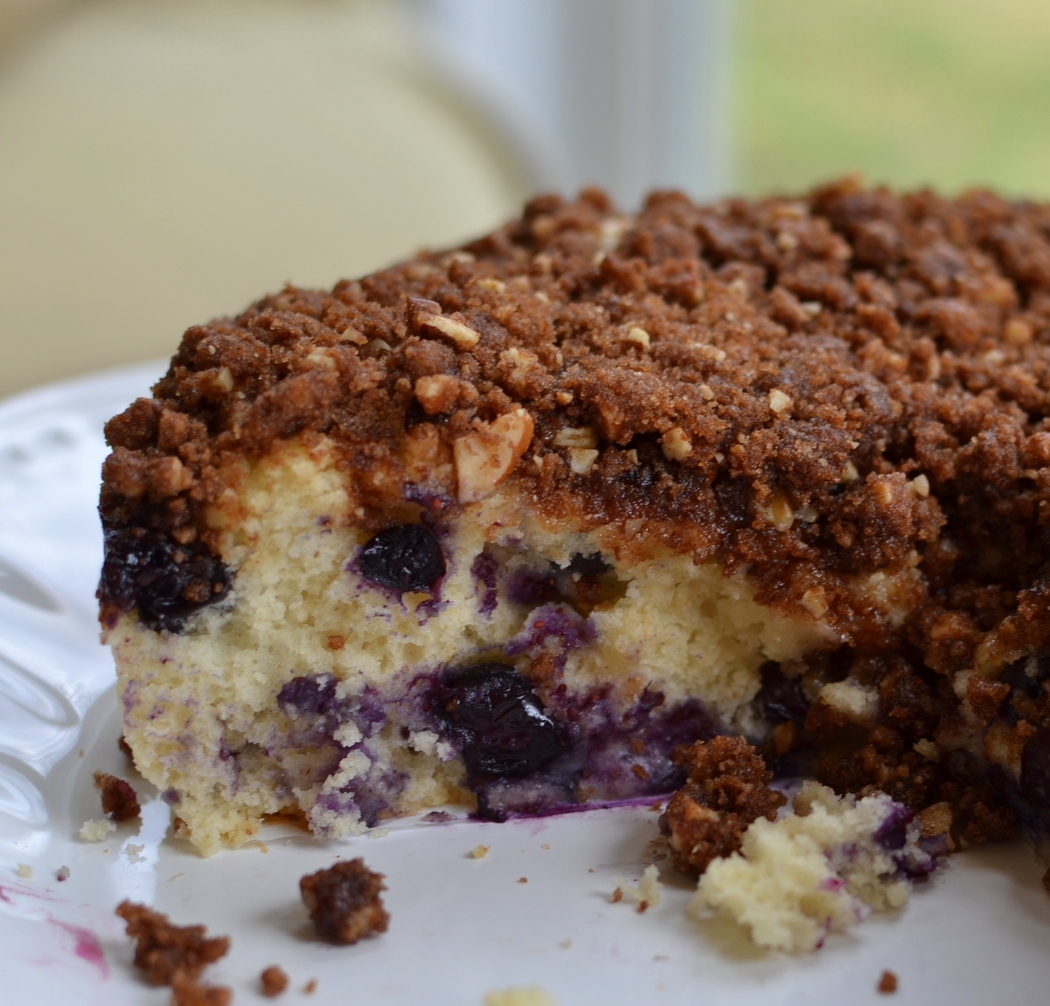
[[166, 161]]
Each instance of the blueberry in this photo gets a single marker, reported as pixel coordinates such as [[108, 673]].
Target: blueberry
[[1027, 674], [780, 698], [498, 722], [167, 582], [313, 694], [1035, 773], [588, 565], [405, 557]]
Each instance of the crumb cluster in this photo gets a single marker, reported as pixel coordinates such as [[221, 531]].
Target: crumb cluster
[[344, 902], [727, 788], [120, 802], [175, 955]]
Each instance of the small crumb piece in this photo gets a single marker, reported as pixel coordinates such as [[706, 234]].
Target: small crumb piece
[[119, 801], [545, 847], [166, 952], [189, 992], [565, 944], [523, 880], [529, 995], [437, 817], [479, 852], [648, 892], [310, 987], [887, 983], [97, 830], [727, 788], [344, 902], [274, 981], [62, 874], [134, 853], [24, 870]]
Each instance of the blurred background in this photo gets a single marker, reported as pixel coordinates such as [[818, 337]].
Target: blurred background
[[166, 161]]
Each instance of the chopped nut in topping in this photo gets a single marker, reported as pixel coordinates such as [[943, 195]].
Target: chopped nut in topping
[[637, 335], [921, 486], [857, 703], [462, 335], [778, 401], [777, 511], [437, 393], [576, 436], [487, 455], [581, 459], [815, 602], [676, 444], [351, 334]]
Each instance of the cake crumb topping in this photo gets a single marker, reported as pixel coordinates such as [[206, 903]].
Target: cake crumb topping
[[727, 788], [120, 802], [344, 902], [165, 951]]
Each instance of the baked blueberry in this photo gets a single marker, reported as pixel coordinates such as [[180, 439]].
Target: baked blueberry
[[403, 557]]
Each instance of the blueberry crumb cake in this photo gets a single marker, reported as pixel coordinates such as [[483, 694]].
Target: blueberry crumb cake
[[510, 525]]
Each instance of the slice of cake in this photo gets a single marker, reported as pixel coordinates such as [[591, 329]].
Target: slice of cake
[[509, 525]]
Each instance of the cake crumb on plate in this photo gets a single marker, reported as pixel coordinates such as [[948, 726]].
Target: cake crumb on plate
[[344, 902], [165, 951], [120, 802], [96, 830], [529, 995], [274, 981], [647, 893], [887, 982]]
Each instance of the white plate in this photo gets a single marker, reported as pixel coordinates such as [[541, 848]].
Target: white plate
[[978, 933]]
